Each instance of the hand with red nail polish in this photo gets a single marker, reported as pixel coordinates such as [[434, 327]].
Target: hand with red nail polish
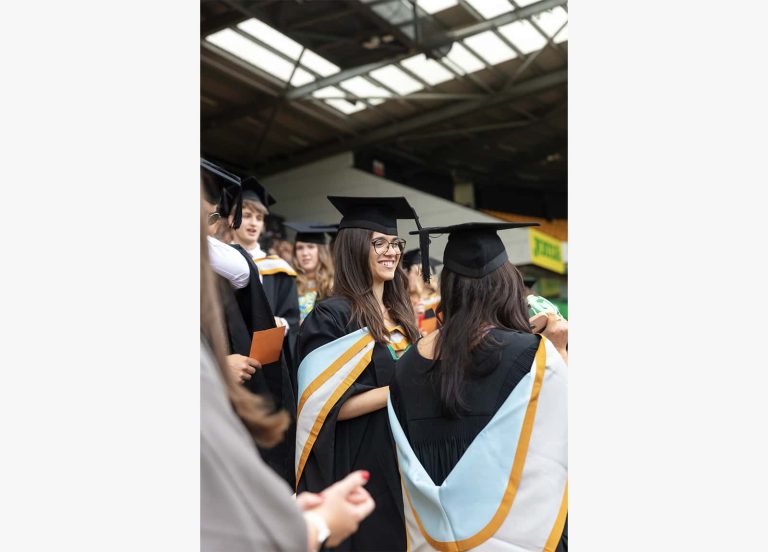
[[344, 505]]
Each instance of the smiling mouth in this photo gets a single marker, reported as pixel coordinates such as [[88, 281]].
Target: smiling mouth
[[387, 264]]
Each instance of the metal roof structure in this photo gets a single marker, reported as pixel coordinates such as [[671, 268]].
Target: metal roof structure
[[439, 91]]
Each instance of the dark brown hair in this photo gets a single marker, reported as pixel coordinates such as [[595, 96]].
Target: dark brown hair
[[353, 280], [266, 427], [468, 308]]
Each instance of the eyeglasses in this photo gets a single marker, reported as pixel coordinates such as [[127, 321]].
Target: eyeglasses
[[382, 246], [213, 218]]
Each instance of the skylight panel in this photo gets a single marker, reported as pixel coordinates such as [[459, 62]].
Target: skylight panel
[[345, 106], [407, 30], [491, 8], [272, 37], [376, 101], [251, 52], [523, 3], [551, 20], [363, 88], [562, 36], [427, 69], [301, 77], [396, 11], [396, 79], [524, 36], [490, 47], [318, 64], [328, 92], [434, 6], [462, 60]]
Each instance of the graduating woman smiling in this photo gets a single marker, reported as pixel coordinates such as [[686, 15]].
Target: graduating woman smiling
[[348, 347]]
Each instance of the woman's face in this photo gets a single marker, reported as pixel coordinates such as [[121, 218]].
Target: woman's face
[[250, 229], [415, 281], [307, 256], [384, 264]]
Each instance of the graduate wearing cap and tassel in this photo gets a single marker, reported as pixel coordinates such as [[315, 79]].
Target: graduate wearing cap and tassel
[[312, 261], [348, 347], [478, 410], [246, 309], [232, 266], [311, 258], [277, 276]]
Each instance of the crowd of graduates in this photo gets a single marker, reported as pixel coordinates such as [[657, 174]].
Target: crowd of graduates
[[398, 413]]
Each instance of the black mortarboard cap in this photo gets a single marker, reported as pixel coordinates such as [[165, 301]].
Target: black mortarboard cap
[[330, 229], [474, 249], [413, 257], [372, 213], [222, 188], [253, 190], [379, 214], [310, 232]]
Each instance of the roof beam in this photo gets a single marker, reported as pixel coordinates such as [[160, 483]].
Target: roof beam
[[429, 96], [320, 19], [447, 38], [216, 23], [388, 132], [466, 130], [247, 78]]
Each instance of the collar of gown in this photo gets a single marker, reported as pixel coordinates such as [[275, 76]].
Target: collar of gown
[[256, 252]]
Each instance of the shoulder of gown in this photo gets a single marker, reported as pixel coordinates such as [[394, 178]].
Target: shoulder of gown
[[327, 321]]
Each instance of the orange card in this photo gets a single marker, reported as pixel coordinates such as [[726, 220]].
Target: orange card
[[267, 344], [429, 325]]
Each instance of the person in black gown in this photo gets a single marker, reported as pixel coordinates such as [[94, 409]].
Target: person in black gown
[[246, 310], [277, 277], [448, 388], [351, 341]]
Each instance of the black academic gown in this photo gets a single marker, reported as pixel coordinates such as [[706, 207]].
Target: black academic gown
[[439, 441], [362, 443], [282, 296], [247, 310]]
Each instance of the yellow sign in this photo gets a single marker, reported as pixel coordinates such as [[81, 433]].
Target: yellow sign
[[546, 251]]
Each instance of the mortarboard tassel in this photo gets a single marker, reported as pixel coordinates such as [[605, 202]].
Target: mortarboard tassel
[[424, 242], [238, 216]]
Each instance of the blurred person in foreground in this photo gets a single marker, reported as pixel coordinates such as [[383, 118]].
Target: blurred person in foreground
[[478, 410], [245, 506]]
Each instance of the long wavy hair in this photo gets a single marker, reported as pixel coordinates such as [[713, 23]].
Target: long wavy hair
[[324, 272], [353, 280], [265, 426], [469, 307]]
